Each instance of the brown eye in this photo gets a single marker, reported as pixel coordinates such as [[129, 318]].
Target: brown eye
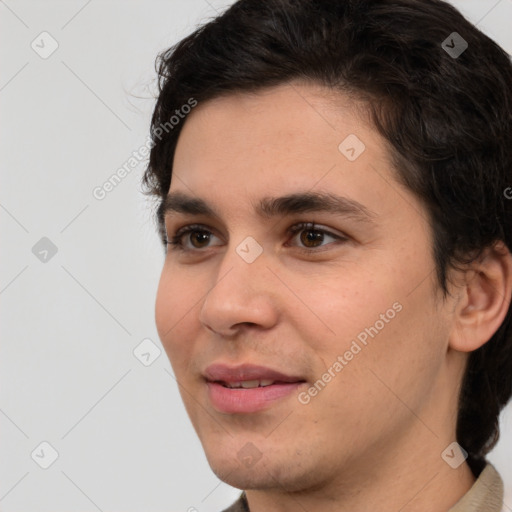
[[197, 238], [310, 237], [192, 238]]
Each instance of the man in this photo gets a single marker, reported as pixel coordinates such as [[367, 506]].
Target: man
[[332, 180]]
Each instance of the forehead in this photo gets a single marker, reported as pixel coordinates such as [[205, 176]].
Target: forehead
[[283, 131], [239, 149]]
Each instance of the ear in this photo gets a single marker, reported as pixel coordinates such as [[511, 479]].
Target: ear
[[483, 300]]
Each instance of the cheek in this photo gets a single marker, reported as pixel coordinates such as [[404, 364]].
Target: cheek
[[174, 307], [164, 306], [373, 321], [341, 303]]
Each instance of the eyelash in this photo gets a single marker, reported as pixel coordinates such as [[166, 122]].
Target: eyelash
[[177, 243]]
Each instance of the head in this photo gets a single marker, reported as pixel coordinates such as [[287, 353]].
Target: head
[[360, 99]]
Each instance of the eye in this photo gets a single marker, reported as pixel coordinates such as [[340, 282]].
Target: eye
[[197, 235], [311, 236]]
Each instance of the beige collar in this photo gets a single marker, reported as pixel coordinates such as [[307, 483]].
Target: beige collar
[[486, 494]]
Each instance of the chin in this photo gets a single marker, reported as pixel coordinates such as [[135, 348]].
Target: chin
[[244, 479], [245, 468], [238, 463]]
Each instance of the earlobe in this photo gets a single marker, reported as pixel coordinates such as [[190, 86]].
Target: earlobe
[[484, 299]]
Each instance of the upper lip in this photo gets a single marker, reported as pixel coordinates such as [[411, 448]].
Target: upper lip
[[224, 373]]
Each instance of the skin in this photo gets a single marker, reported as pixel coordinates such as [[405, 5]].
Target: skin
[[372, 438]]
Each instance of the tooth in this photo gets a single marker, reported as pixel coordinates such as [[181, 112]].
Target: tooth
[[248, 384], [234, 384], [266, 382]]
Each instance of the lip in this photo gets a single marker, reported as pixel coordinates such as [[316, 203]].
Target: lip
[[241, 400], [225, 373]]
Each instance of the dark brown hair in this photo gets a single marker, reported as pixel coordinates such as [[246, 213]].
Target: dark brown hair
[[447, 119]]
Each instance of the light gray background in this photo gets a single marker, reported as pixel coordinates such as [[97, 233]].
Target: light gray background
[[70, 324]]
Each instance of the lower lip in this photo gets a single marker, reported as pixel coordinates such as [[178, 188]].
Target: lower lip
[[240, 400]]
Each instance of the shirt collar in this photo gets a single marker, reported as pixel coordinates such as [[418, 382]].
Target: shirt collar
[[485, 495]]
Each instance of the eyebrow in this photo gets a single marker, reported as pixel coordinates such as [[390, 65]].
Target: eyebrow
[[268, 207]]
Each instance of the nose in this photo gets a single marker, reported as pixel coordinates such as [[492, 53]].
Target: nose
[[242, 294]]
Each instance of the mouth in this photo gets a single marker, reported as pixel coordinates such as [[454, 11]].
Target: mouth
[[248, 384], [248, 388]]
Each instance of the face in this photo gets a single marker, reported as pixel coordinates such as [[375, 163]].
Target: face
[[337, 324]]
